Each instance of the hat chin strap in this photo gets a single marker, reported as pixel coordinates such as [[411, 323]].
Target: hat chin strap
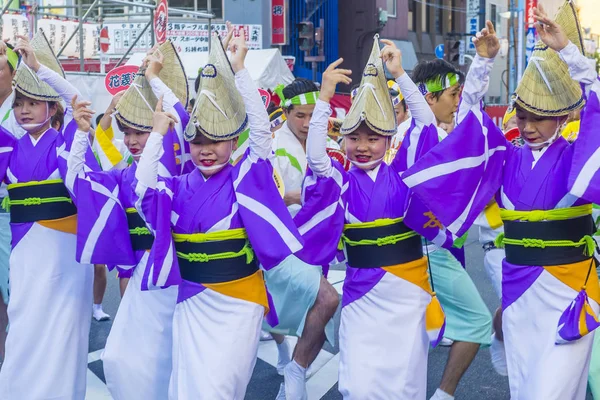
[[367, 165], [35, 126], [552, 139]]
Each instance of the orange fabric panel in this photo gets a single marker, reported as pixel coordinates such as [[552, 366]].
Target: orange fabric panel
[[251, 288]]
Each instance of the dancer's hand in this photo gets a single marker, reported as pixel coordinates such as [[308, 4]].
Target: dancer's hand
[[331, 77], [162, 121], [27, 54], [82, 114], [486, 42], [392, 57], [239, 49], [155, 65], [550, 32]]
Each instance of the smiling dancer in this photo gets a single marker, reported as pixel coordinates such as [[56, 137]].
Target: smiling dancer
[[549, 294]]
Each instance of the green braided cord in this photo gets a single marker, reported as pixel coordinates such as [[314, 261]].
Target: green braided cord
[[34, 201], [203, 257], [384, 241], [587, 241], [139, 230]]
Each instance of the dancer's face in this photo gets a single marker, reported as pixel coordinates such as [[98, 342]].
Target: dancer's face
[[135, 141], [298, 120], [365, 148], [535, 128], [33, 115], [207, 153], [444, 107]]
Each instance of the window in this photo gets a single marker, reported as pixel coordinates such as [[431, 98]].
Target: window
[[391, 8], [493, 14], [412, 15], [439, 16], [199, 5], [425, 17]]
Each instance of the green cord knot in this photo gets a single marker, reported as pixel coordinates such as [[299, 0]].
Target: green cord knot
[[537, 243], [499, 241], [198, 257], [32, 201], [139, 230]]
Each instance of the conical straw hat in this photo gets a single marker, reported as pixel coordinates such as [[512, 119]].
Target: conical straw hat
[[372, 103], [546, 88], [26, 80], [219, 112], [136, 108], [173, 74]]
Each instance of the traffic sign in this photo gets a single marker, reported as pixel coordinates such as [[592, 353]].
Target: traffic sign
[[265, 96], [439, 51], [104, 40], [120, 78], [160, 22]]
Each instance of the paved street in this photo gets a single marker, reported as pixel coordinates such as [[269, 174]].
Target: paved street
[[480, 382]]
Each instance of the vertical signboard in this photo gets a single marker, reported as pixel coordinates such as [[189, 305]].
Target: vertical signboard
[[278, 23], [531, 34], [472, 23]]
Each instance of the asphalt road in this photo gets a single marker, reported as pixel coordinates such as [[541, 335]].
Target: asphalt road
[[480, 381]]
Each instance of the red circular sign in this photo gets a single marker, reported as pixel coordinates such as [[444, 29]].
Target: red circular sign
[[104, 40], [120, 79], [265, 96], [340, 157], [160, 22]]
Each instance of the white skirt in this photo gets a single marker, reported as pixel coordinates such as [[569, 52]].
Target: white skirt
[[215, 343], [138, 355], [50, 313], [537, 367], [383, 343]]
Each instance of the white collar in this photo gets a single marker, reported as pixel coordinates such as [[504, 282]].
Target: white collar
[[373, 172], [34, 142]]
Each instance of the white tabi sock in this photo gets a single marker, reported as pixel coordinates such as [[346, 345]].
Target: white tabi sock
[[295, 381], [283, 356], [98, 313], [441, 395]]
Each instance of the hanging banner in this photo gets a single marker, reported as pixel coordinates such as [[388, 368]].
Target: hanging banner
[[14, 25], [161, 16], [531, 35], [120, 78], [278, 23], [186, 37], [52, 30]]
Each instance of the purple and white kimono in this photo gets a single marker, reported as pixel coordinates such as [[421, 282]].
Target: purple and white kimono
[[134, 366], [547, 312], [383, 309], [51, 293], [216, 327]]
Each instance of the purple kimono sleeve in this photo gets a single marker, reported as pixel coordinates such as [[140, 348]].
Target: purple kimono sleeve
[[584, 176], [269, 225], [320, 221], [102, 230], [456, 179], [155, 206], [7, 145]]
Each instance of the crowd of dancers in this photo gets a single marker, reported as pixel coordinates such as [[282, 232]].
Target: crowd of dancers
[[223, 216]]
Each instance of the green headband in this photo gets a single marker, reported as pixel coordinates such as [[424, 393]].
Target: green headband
[[12, 58], [438, 83], [301, 99]]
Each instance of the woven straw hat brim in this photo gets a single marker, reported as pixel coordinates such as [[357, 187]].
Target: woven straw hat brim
[[173, 74], [219, 112], [547, 68], [372, 103], [27, 82], [132, 110]]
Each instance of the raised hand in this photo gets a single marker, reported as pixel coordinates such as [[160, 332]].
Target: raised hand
[[162, 121], [486, 42], [27, 54], [229, 35], [239, 49], [550, 32], [82, 114], [155, 64], [392, 57], [331, 77]]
